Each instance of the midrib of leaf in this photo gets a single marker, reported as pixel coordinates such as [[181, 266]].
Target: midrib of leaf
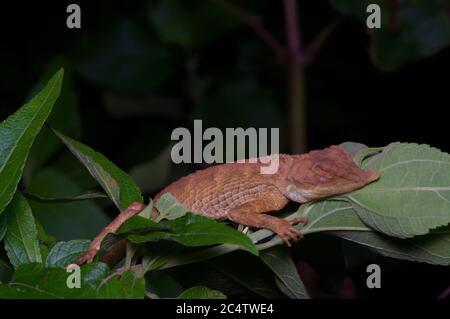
[[413, 161]]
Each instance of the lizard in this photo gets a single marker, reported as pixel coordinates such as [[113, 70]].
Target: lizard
[[240, 193]]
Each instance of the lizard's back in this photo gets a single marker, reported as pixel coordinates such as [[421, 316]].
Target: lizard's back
[[217, 189]]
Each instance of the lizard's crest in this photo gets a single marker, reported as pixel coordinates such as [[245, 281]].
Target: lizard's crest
[[323, 173]]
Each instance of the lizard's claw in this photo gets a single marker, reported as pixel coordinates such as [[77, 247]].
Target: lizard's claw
[[289, 234]]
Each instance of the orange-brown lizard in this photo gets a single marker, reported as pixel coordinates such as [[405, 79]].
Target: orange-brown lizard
[[240, 193]]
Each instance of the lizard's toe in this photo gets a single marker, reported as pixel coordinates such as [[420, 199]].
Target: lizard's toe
[[297, 220], [289, 234]]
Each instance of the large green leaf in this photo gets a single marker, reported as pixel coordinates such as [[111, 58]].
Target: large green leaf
[[64, 253], [201, 292], [127, 286], [17, 134], [117, 184], [21, 239], [412, 195], [194, 230], [281, 263], [64, 117], [34, 281], [340, 219]]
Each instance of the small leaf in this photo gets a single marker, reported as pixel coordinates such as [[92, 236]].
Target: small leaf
[[169, 208], [127, 286], [281, 263], [17, 134], [412, 195], [122, 190], [64, 253], [21, 239], [201, 292]]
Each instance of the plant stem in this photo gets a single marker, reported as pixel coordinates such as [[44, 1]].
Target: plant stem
[[296, 93]]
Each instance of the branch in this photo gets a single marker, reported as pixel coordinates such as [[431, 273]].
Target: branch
[[265, 35], [318, 41]]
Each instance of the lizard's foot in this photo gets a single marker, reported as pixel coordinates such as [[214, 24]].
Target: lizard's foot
[[288, 233], [87, 258]]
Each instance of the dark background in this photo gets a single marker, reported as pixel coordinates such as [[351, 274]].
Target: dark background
[[228, 77]]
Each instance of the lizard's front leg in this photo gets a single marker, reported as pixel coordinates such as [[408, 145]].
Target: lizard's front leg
[[112, 227]]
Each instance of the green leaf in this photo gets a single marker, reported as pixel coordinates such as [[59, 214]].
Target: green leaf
[[281, 263], [194, 230], [169, 208], [69, 220], [34, 281], [64, 117], [127, 286], [21, 239], [139, 224], [92, 274], [122, 190], [412, 195], [201, 292], [340, 219], [64, 253], [17, 134]]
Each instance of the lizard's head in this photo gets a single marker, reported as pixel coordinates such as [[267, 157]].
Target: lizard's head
[[324, 173]]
